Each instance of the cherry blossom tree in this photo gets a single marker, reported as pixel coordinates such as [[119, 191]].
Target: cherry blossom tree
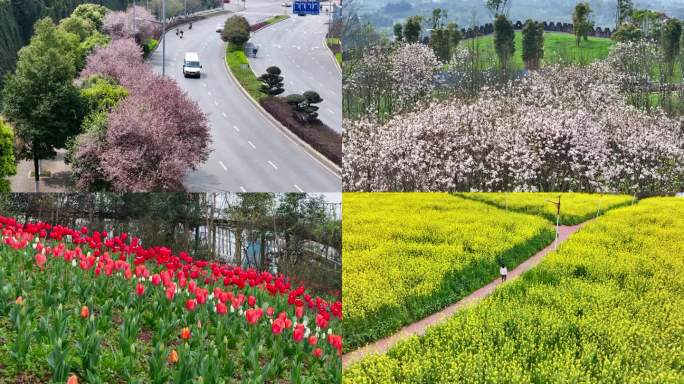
[[152, 138], [135, 22]]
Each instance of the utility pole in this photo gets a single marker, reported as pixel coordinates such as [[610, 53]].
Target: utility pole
[[163, 37], [135, 22], [558, 208]]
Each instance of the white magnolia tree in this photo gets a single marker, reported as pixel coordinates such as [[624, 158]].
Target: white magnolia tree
[[556, 129]]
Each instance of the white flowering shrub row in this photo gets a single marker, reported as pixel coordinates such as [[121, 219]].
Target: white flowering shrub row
[[559, 129]]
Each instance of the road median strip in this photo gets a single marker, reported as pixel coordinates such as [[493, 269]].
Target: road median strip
[[238, 68]]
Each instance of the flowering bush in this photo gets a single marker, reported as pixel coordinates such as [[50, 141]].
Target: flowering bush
[[163, 317], [136, 22], [408, 255], [389, 80], [146, 148], [607, 306], [559, 129]]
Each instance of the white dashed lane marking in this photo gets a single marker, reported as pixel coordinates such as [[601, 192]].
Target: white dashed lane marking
[[223, 166], [252, 144], [273, 165]]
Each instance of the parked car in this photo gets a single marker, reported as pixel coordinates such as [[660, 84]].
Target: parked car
[[219, 28], [286, 4], [191, 65]]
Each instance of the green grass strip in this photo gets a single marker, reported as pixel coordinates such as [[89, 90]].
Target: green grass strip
[[239, 66]]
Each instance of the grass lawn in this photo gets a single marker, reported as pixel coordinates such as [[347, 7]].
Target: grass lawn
[[276, 19], [239, 66], [558, 48]]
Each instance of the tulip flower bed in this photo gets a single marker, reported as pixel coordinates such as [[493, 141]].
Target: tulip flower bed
[[575, 207], [608, 307], [91, 306], [408, 255]]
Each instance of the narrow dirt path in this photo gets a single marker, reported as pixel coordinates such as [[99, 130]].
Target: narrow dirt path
[[419, 327]]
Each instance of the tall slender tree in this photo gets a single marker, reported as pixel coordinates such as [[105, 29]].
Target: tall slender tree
[[532, 44], [582, 22], [504, 41]]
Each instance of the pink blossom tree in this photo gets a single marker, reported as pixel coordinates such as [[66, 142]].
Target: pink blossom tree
[[136, 22], [152, 138]]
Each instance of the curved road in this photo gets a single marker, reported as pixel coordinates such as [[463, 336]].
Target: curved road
[[296, 46], [249, 152]]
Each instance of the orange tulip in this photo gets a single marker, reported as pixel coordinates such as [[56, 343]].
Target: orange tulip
[[173, 357], [85, 312], [185, 333], [73, 379], [19, 300]]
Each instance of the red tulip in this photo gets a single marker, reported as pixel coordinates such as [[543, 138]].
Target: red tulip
[[85, 312], [278, 326], [73, 379], [185, 333], [251, 301], [317, 352], [41, 260], [299, 312], [170, 293], [190, 304], [298, 333], [19, 301], [253, 315], [156, 279], [321, 321], [221, 308], [313, 340], [270, 311], [140, 289]]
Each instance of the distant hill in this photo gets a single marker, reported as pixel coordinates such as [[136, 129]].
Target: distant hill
[[384, 13]]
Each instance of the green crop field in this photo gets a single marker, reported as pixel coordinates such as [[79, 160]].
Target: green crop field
[[607, 307], [408, 255], [575, 207], [558, 48]]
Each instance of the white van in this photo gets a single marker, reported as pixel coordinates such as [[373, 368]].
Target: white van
[[191, 65]]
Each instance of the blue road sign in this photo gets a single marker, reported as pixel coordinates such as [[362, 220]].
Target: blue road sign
[[306, 7]]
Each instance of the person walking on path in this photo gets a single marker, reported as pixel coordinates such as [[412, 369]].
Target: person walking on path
[[503, 271]]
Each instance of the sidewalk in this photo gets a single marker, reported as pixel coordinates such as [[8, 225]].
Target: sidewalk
[[418, 328], [59, 180]]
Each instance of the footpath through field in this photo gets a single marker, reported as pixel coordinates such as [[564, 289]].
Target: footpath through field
[[419, 327]]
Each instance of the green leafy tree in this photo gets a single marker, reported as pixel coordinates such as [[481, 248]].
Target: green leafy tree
[[92, 12], [304, 105], [504, 41], [532, 44], [236, 31], [497, 7], [412, 29], [272, 81], [7, 164], [40, 98], [624, 11], [670, 43], [582, 22], [398, 32], [455, 35], [628, 32]]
